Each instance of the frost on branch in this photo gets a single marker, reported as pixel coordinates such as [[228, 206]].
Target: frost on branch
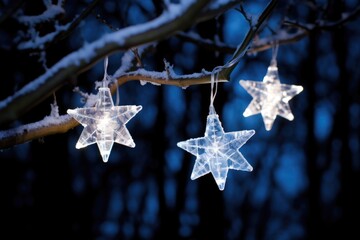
[[169, 22], [52, 11], [54, 110], [36, 40]]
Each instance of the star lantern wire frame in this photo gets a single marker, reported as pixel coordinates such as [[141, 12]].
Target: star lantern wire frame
[[217, 151], [270, 97], [104, 123]]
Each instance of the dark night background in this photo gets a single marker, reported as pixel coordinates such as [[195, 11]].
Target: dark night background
[[306, 178]]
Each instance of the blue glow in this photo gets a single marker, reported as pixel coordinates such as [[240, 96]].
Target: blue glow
[[173, 160], [323, 121], [290, 174], [170, 193], [109, 228]]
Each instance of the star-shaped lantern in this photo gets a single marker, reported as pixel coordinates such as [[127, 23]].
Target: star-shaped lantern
[[104, 123], [217, 151], [270, 97]]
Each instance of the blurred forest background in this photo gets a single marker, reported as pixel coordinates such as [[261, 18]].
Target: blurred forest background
[[305, 182]]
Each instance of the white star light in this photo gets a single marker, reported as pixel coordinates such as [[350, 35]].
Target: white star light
[[270, 97], [217, 151], [104, 123]]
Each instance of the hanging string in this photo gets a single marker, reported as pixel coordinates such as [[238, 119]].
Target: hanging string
[[215, 75], [217, 69], [237, 59], [107, 78], [214, 84], [117, 93], [275, 49], [104, 82]]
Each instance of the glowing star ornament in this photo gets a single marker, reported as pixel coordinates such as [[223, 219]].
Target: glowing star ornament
[[217, 151], [104, 124], [270, 97]]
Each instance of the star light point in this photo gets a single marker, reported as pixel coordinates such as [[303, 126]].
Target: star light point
[[217, 151], [270, 97], [104, 124]]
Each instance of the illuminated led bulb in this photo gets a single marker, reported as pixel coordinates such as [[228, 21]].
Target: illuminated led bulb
[[104, 123], [217, 151], [270, 97]]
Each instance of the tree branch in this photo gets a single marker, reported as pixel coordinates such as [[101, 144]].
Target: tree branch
[[162, 78], [36, 91], [28, 132], [206, 43], [240, 51], [10, 10], [61, 124], [15, 136], [326, 25], [62, 32], [282, 37]]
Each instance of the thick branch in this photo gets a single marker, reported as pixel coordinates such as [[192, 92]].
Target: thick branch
[[36, 130], [20, 136], [39, 89], [163, 79], [54, 125]]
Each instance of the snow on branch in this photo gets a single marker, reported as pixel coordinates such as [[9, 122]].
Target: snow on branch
[[51, 12], [59, 124], [39, 42], [168, 77], [48, 126], [132, 58], [167, 24], [61, 31]]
